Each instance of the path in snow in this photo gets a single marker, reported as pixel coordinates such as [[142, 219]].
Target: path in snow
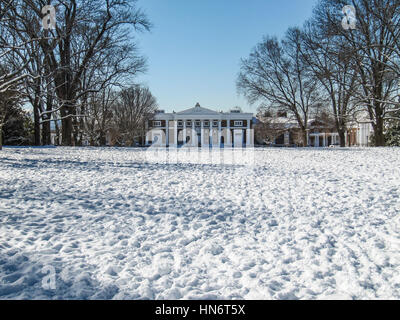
[[273, 224]]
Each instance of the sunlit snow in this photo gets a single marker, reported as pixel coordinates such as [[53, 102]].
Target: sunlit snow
[[262, 224]]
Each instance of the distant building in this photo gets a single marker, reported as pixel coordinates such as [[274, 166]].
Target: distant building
[[280, 130], [201, 127], [360, 131]]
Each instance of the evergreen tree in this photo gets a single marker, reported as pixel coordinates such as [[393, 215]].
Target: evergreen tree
[[393, 134], [18, 127]]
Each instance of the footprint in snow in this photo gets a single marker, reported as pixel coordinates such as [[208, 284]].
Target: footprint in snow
[[216, 250], [248, 266], [58, 247]]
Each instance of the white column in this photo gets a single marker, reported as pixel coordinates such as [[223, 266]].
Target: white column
[[219, 133], [184, 132], [147, 132], [228, 130], [248, 142], [202, 134], [315, 140], [176, 133], [167, 132], [286, 138], [194, 133], [211, 133]]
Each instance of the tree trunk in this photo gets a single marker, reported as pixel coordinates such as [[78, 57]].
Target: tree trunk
[[1, 136], [46, 133], [102, 139], [67, 132], [57, 137], [36, 119], [76, 133], [46, 126], [304, 138], [342, 138], [378, 133]]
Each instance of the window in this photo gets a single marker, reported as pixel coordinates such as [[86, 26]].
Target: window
[[188, 123], [215, 123], [157, 123], [198, 123], [206, 123], [236, 110], [180, 123], [238, 124]]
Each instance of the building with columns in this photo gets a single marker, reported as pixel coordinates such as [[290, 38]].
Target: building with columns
[[201, 127], [284, 132]]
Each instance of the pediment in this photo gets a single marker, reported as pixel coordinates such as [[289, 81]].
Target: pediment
[[199, 111]]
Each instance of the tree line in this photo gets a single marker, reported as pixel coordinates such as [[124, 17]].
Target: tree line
[[74, 63], [344, 59]]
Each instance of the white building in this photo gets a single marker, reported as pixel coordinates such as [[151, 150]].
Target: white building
[[365, 130], [201, 127], [283, 131]]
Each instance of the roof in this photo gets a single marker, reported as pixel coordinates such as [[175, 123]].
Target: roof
[[198, 110], [280, 121], [201, 113]]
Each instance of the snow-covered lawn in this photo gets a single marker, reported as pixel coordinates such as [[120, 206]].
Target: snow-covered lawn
[[133, 224]]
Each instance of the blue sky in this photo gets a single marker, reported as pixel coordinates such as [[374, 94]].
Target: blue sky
[[195, 47]]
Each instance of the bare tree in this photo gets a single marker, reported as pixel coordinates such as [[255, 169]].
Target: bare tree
[[389, 16], [2, 119], [9, 46], [330, 63], [112, 70], [85, 32], [98, 120], [135, 106], [275, 74], [373, 43]]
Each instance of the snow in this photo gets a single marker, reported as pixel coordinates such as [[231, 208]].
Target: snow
[[261, 224]]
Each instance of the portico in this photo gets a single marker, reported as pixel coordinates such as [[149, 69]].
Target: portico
[[323, 139], [201, 127]]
